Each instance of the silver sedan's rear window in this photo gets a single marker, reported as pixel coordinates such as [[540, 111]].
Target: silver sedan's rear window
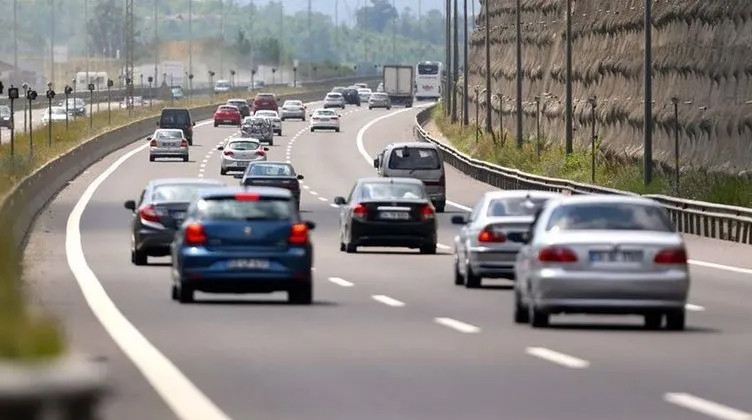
[[610, 216]]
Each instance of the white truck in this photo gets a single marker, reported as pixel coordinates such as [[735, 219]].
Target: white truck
[[399, 82]]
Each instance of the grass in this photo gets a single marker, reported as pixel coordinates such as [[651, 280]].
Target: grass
[[611, 171], [25, 334]]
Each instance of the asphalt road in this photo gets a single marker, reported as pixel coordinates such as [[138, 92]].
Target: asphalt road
[[389, 335]]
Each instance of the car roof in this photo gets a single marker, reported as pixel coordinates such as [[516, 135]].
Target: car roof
[[390, 180], [172, 130], [416, 144], [492, 195], [606, 199], [236, 100], [227, 106], [170, 109], [262, 191], [174, 181]]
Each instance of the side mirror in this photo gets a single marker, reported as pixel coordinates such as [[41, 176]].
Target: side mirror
[[376, 163], [459, 220], [300, 177], [311, 225], [220, 148], [266, 149], [130, 205], [148, 138], [340, 201], [526, 237], [194, 123]]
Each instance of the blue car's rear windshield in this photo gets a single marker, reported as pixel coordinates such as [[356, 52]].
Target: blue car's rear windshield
[[232, 209]]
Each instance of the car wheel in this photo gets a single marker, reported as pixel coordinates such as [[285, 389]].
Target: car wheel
[[459, 280], [271, 142], [351, 248], [185, 294], [280, 132], [139, 257], [428, 249], [301, 295], [653, 321], [538, 318], [216, 125], [185, 159], [342, 246], [676, 320], [388, 108], [303, 119], [521, 313], [336, 130], [440, 207], [282, 119], [174, 292], [222, 171], [370, 108], [190, 142], [472, 281], [312, 129]]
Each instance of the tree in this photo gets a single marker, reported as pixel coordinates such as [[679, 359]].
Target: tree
[[242, 44], [105, 28], [376, 17], [269, 50]]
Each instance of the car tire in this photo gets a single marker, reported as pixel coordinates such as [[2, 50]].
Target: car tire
[[185, 159], [472, 281], [312, 130], [521, 313], [216, 125], [139, 257], [301, 295], [459, 279], [428, 249], [271, 142], [676, 320], [370, 108], [538, 318], [302, 119], [342, 246], [282, 119], [440, 207], [336, 130], [174, 292], [185, 294], [222, 171], [351, 248], [151, 158], [388, 108], [653, 321]]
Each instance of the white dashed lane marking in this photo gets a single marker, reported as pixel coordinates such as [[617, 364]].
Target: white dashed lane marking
[[460, 326], [386, 300], [558, 358], [694, 308], [706, 407], [341, 282], [322, 198], [313, 192]]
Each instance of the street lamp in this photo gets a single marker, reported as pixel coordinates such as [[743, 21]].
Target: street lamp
[[67, 92], [592, 101], [294, 76], [151, 91], [91, 104], [50, 97], [274, 70], [190, 84], [25, 87], [12, 95], [232, 78], [110, 83], [31, 95], [211, 82]]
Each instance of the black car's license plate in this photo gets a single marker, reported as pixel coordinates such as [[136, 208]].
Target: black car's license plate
[[394, 215], [248, 264]]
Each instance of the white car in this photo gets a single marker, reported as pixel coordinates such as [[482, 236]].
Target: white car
[[334, 100], [168, 143], [272, 115], [293, 109], [58, 114], [222, 86], [324, 119], [239, 153], [365, 94]]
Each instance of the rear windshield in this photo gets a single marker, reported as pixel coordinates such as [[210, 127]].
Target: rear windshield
[[182, 193], [231, 209], [270, 169], [610, 216], [169, 134], [333, 95], [178, 117], [4, 110], [265, 96], [414, 158], [244, 145], [293, 103], [238, 103], [391, 191], [227, 109], [324, 112], [518, 206]]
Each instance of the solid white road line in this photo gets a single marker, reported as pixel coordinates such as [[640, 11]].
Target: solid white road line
[[558, 358], [709, 408], [386, 300], [457, 325], [180, 394], [341, 282], [442, 246], [693, 307], [720, 266]]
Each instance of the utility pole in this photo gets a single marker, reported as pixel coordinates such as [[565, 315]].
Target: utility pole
[[568, 94], [221, 39], [130, 42], [455, 61], [310, 39], [519, 74], [648, 124], [465, 99], [489, 128], [365, 30], [52, 45], [86, 33], [156, 46], [190, 40], [394, 34], [448, 63], [15, 39]]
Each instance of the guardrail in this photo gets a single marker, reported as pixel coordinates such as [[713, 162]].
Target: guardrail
[[729, 223]]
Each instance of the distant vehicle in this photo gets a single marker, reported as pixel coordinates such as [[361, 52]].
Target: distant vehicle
[[398, 84], [178, 118], [265, 101], [428, 76], [379, 100], [227, 114], [394, 212], [222, 86], [324, 119], [137, 101], [492, 235], [351, 96], [243, 240], [415, 160], [176, 92], [334, 100], [364, 94], [75, 105], [58, 115], [273, 116], [238, 153], [168, 143], [338, 89], [242, 106], [260, 128], [273, 174], [257, 84], [159, 212], [603, 254], [5, 117], [380, 87], [293, 109], [361, 85]]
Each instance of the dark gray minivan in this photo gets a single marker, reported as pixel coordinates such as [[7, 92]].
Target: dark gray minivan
[[415, 160], [179, 118]]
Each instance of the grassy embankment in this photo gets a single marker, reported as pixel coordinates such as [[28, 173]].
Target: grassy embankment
[[695, 184], [25, 334]]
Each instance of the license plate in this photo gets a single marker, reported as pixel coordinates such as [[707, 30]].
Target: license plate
[[394, 215], [229, 121], [616, 256], [178, 215], [241, 163], [248, 264]]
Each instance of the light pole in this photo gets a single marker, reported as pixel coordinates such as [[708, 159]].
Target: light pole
[[50, 97], [25, 87], [253, 76], [91, 104], [569, 131], [648, 117], [211, 82], [274, 70], [593, 104], [74, 82], [489, 128], [52, 42], [190, 41], [232, 78], [12, 96], [67, 92], [190, 83], [31, 95], [465, 99], [294, 77], [141, 77], [156, 43], [519, 74], [110, 83], [222, 39], [151, 91]]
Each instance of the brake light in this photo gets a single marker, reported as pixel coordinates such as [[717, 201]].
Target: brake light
[[228, 153], [489, 235], [195, 234], [247, 197], [360, 212], [184, 143], [153, 143], [671, 256], [298, 234], [261, 153], [557, 254], [148, 213], [427, 212]]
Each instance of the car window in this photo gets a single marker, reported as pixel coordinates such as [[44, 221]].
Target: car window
[[476, 210], [266, 96], [270, 169], [244, 145], [517, 206], [609, 216], [227, 109], [169, 134], [4, 111], [414, 158], [175, 118], [238, 103], [325, 112], [183, 193], [391, 191], [232, 209]]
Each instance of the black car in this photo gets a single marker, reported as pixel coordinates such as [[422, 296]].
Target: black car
[[242, 106], [5, 120], [272, 174], [178, 118], [351, 95], [391, 212], [159, 213]]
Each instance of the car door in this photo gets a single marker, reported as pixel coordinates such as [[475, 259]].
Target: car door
[[464, 235]]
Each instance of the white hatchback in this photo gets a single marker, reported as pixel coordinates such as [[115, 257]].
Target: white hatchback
[[325, 119], [239, 153]]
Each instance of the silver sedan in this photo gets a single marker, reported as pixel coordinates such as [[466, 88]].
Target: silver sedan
[[168, 143], [379, 100], [603, 254], [293, 109], [490, 238]]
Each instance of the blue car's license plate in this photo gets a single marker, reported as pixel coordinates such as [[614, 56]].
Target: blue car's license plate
[[248, 264]]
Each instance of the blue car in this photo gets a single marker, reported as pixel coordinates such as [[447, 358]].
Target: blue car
[[243, 240]]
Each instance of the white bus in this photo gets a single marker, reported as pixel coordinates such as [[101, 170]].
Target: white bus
[[428, 80]]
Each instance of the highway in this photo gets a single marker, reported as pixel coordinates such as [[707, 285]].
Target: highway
[[389, 335]]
